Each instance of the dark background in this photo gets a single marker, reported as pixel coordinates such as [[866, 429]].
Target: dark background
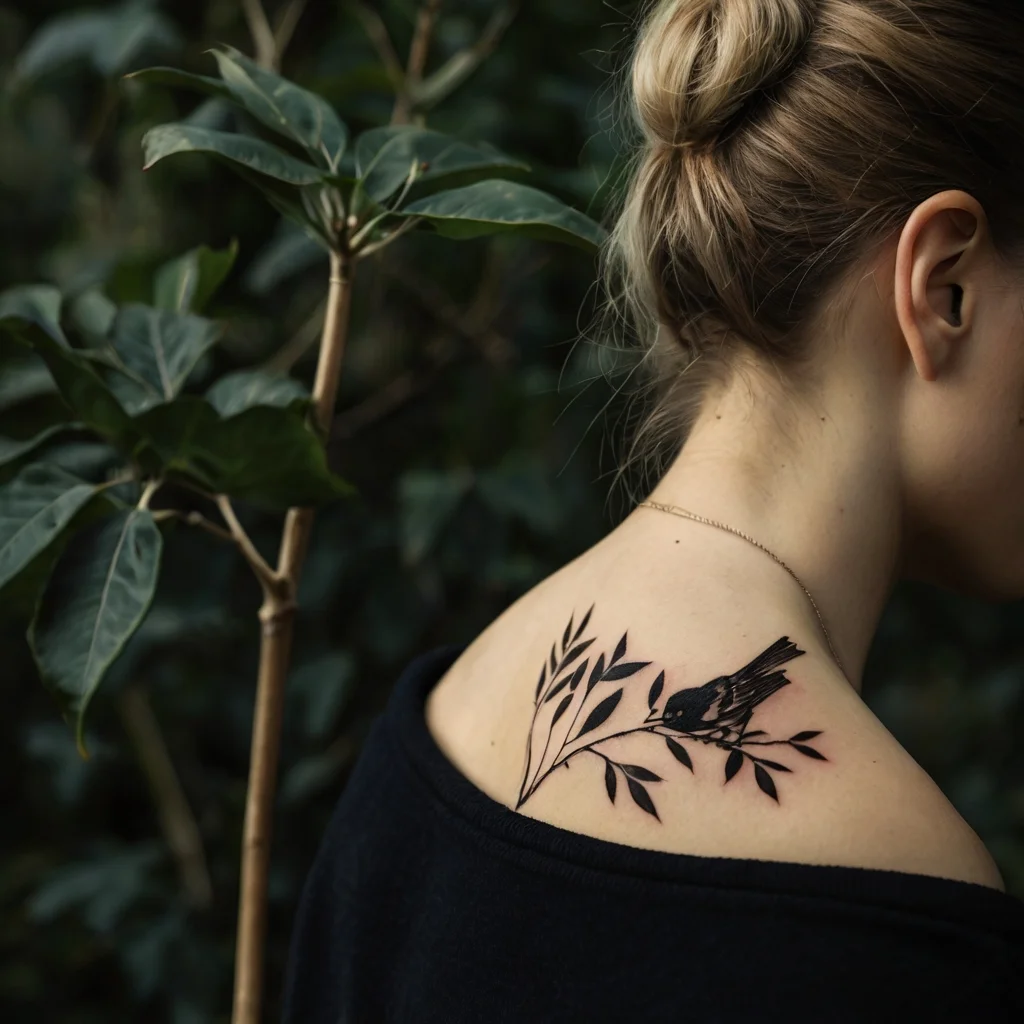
[[481, 432]]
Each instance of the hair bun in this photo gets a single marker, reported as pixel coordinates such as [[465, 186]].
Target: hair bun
[[698, 62]]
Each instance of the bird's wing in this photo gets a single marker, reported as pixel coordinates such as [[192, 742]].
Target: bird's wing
[[714, 709], [698, 704]]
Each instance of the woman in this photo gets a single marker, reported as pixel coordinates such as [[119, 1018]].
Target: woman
[[651, 790]]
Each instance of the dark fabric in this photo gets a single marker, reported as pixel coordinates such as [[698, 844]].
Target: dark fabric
[[430, 902]]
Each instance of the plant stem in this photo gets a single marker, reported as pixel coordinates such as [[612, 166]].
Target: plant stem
[[426, 18], [152, 486], [262, 34], [277, 618], [275, 649], [286, 24], [199, 520], [332, 346], [267, 577], [176, 818], [378, 34]]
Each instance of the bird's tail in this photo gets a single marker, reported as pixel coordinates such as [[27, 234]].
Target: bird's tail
[[751, 690], [779, 653]]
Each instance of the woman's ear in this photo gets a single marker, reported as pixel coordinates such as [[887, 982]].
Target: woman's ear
[[932, 289]]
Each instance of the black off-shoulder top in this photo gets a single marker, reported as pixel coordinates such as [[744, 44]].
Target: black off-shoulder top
[[431, 903]]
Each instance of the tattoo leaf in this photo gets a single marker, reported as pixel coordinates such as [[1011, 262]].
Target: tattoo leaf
[[557, 688], [574, 654], [583, 625], [774, 764], [637, 772], [540, 682], [566, 701], [809, 735], [679, 752], [764, 780], [641, 797], [554, 662], [595, 676], [601, 713], [656, 687], [565, 635], [810, 752], [733, 764], [620, 650], [609, 780], [627, 668], [756, 732], [578, 674]]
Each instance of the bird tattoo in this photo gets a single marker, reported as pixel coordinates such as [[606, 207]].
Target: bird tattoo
[[726, 704], [714, 714]]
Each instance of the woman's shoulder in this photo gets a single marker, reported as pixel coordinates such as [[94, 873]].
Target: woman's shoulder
[[884, 810], [806, 774]]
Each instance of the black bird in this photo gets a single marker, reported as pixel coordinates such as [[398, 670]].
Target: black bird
[[726, 703]]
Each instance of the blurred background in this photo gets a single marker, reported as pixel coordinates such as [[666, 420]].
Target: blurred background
[[479, 427]]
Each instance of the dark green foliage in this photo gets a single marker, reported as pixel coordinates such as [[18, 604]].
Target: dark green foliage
[[96, 596], [264, 454]]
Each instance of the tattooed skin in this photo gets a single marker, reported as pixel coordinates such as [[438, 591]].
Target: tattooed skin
[[715, 714]]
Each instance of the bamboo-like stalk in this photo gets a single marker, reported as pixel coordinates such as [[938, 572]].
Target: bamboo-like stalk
[[277, 619], [280, 587]]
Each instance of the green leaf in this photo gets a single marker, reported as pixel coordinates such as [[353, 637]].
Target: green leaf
[[91, 460], [23, 380], [246, 388], [187, 283], [240, 151], [300, 115], [495, 206], [21, 594], [110, 40], [385, 155], [31, 313], [29, 309], [12, 450], [34, 508], [182, 79], [158, 349], [98, 594], [265, 454], [93, 314]]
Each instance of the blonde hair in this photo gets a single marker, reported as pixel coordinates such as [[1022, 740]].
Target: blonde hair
[[779, 141]]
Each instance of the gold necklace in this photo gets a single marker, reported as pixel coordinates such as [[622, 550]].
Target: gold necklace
[[676, 510]]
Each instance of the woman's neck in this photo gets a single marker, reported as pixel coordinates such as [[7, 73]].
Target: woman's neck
[[814, 482]]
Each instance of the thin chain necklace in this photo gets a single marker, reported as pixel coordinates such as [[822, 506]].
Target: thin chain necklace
[[676, 510]]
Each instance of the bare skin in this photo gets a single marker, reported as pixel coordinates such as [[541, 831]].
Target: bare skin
[[903, 458]]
